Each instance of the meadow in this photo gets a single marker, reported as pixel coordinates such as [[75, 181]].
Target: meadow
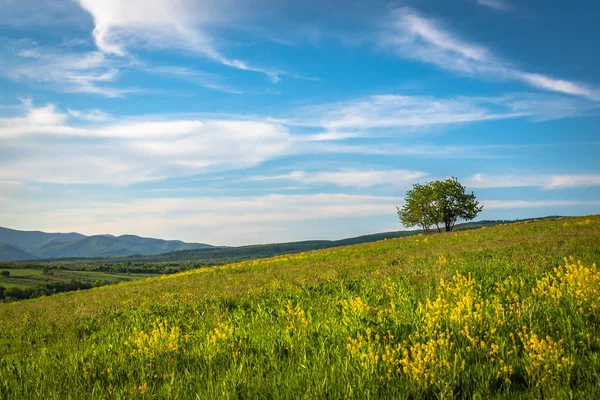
[[509, 311]]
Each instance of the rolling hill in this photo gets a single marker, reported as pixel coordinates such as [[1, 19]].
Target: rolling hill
[[30, 240], [131, 248], [62, 245], [501, 312], [11, 253], [219, 255]]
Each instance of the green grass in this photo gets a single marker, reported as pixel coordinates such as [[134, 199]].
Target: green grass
[[31, 277], [467, 314]]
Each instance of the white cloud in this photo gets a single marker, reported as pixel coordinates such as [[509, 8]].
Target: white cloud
[[65, 69], [350, 177], [541, 107], [74, 68], [117, 23], [90, 115], [558, 85], [132, 150], [387, 111], [541, 181], [572, 181], [36, 120], [416, 37], [50, 144], [500, 5], [396, 149], [200, 78], [183, 24], [34, 116], [497, 204], [481, 181], [392, 115]]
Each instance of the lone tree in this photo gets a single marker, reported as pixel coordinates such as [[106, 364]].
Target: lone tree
[[439, 202]]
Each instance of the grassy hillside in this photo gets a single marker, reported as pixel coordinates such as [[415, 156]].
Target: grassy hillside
[[225, 255], [496, 312]]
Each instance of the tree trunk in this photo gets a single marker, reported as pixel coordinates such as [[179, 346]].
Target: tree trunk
[[453, 223]]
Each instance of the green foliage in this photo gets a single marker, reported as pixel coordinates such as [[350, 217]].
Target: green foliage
[[466, 314], [439, 202], [453, 203], [420, 208]]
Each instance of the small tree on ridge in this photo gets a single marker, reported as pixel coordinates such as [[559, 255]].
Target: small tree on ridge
[[439, 202]]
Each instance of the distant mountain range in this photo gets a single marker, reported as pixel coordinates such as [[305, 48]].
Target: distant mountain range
[[18, 245]]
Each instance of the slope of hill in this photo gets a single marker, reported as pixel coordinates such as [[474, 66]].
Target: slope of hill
[[240, 253], [131, 248], [58, 245], [11, 253], [479, 313]]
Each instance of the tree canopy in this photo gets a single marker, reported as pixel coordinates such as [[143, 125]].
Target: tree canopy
[[438, 203]]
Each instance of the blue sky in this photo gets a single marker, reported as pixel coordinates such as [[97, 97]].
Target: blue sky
[[232, 123]]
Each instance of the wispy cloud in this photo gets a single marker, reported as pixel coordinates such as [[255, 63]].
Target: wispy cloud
[[65, 69], [414, 36], [90, 115], [541, 181], [74, 67], [572, 181], [200, 78], [183, 24], [350, 177], [497, 204], [387, 111], [499, 5], [382, 114], [50, 143]]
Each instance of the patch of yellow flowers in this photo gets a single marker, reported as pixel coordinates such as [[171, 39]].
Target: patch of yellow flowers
[[163, 339], [441, 261], [296, 325], [465, 324], [545, 359], [574, 283]]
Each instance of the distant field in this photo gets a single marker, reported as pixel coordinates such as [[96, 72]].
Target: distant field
[[29, 277], [40, 281], [489, 313]]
